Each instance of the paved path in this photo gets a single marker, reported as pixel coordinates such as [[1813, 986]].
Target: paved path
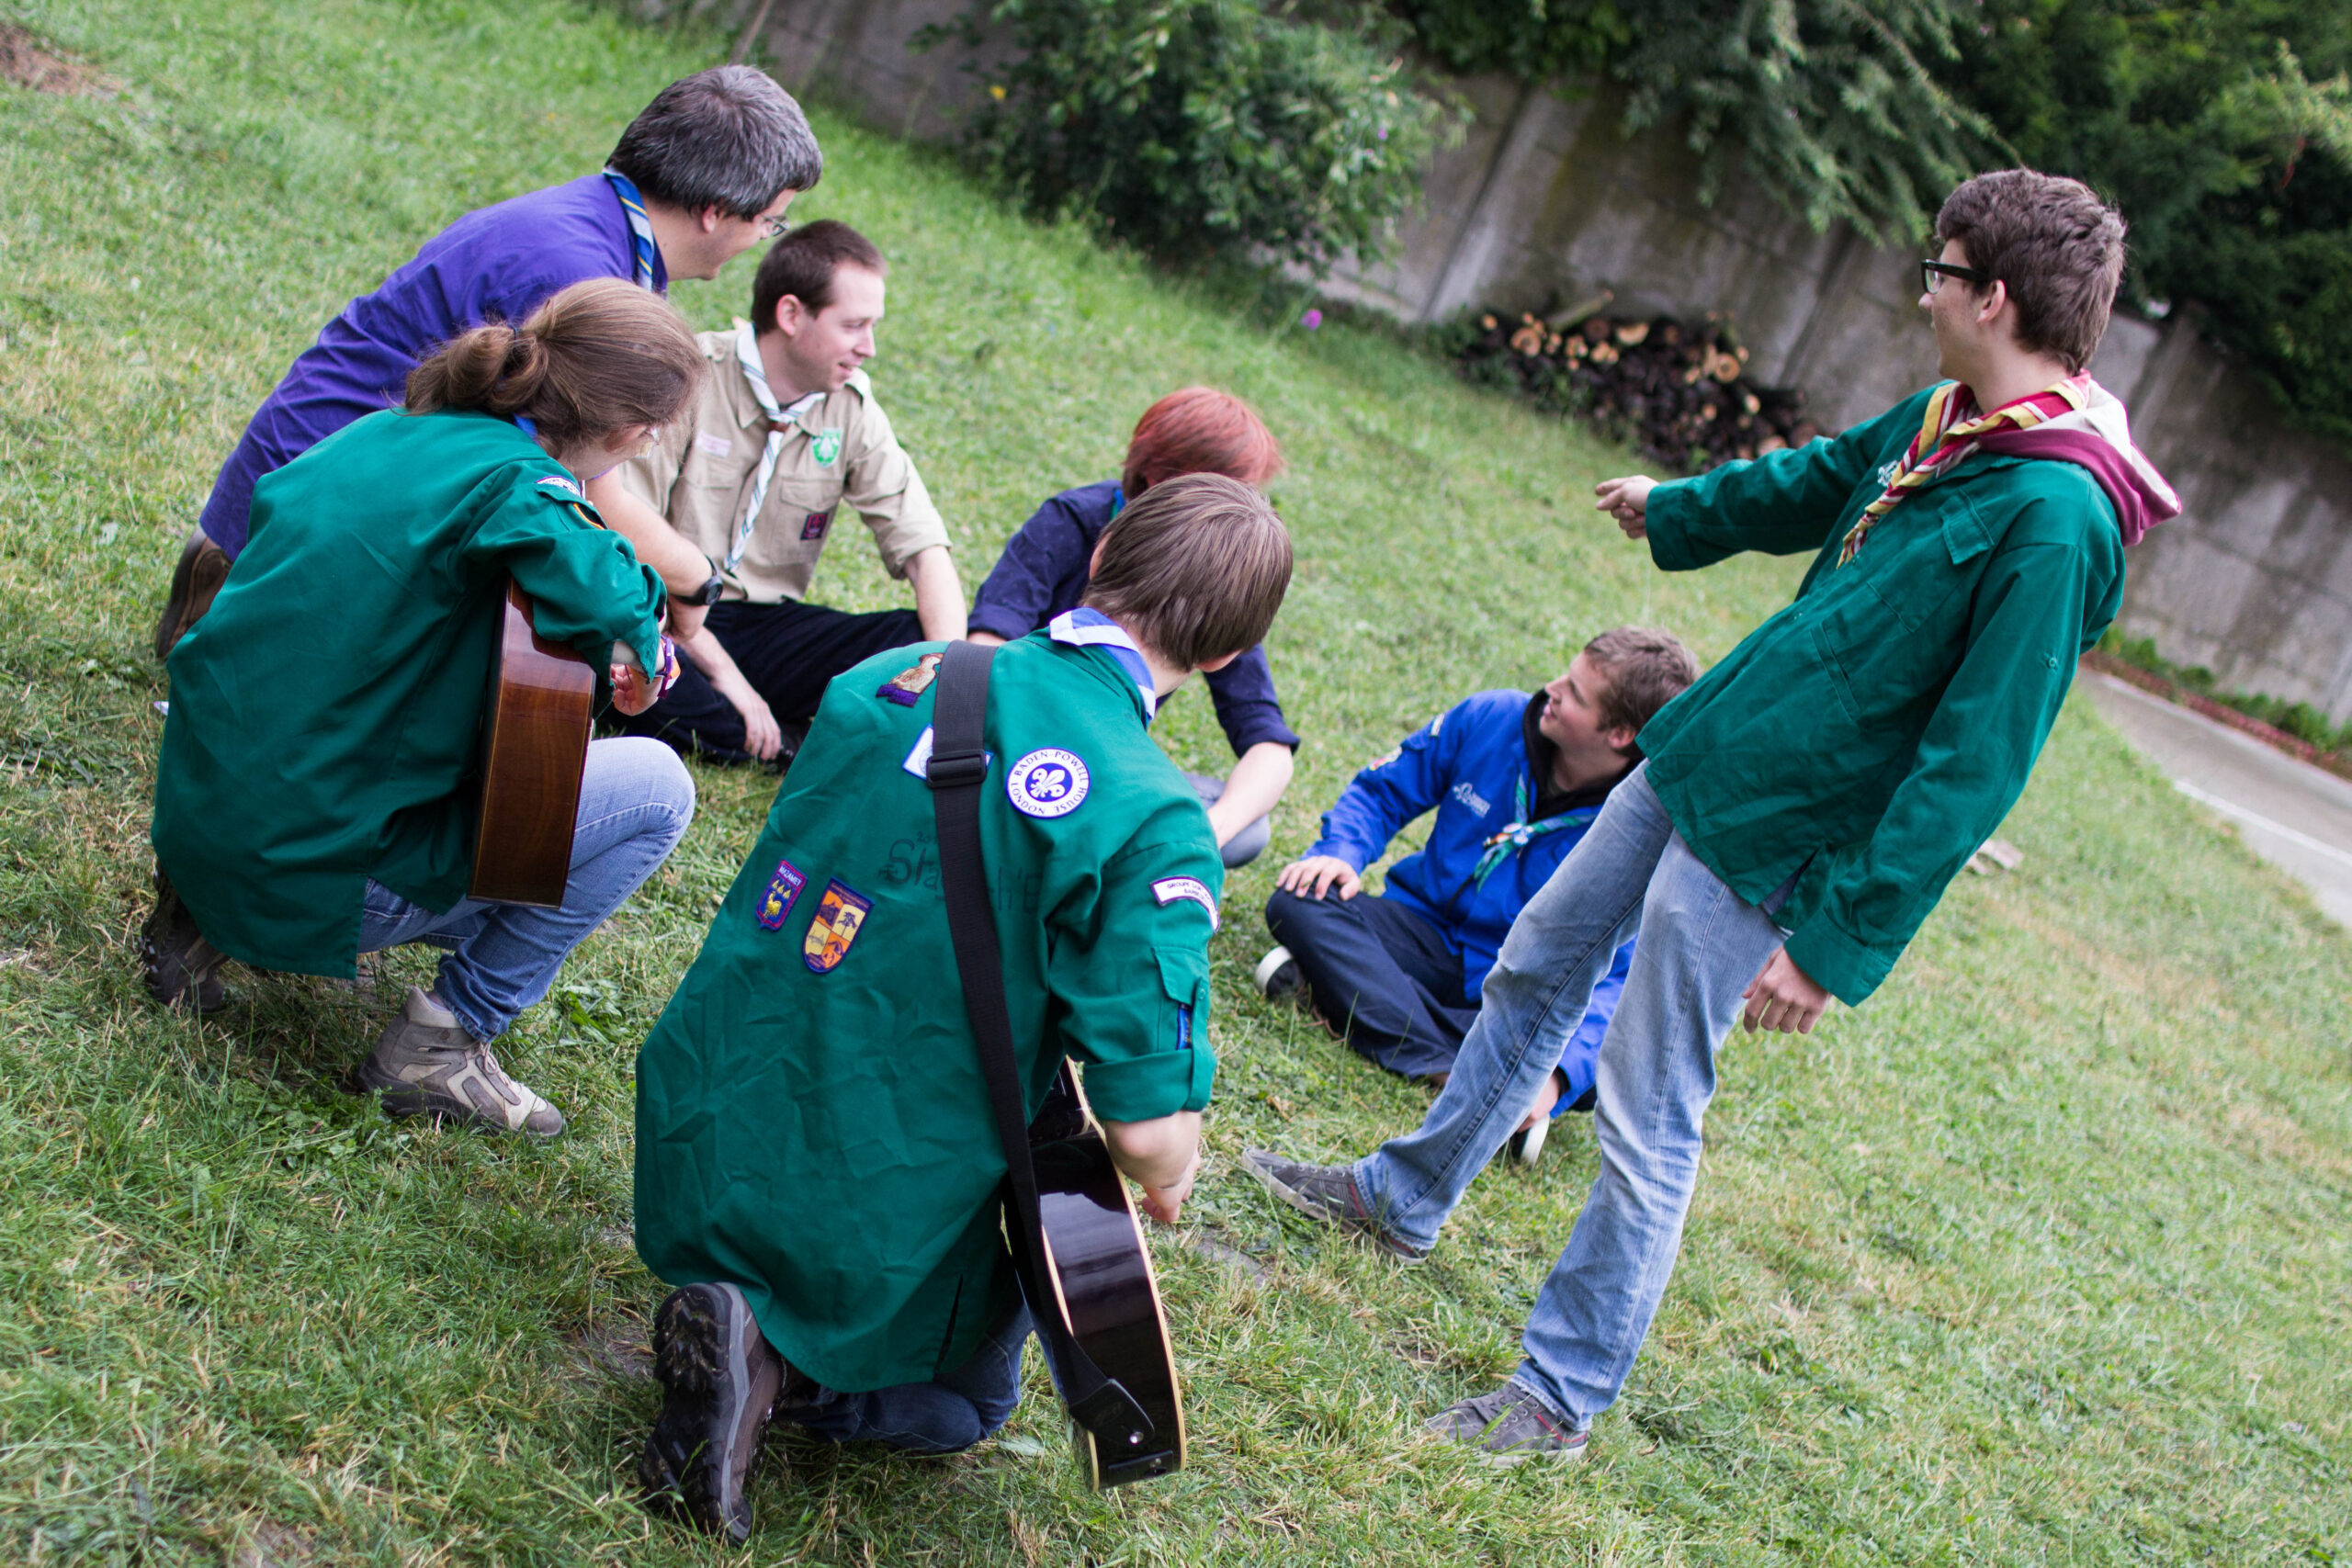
[[2295, 816]]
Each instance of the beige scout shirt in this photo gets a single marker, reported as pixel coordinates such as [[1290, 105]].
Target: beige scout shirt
[[841, 447]]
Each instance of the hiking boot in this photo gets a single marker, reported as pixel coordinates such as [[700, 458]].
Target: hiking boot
[[1327, 1192], [426, 1064], [1509, 1427], [720, 1380], [203, 568], [181, 968], [1277, 976]]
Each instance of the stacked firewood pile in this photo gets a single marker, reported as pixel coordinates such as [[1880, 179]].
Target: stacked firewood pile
[[1678, 391]]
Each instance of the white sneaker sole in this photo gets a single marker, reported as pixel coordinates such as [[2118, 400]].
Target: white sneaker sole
[[1267, 966]]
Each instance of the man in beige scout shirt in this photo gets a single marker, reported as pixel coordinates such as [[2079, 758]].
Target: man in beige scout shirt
[[783, 435]]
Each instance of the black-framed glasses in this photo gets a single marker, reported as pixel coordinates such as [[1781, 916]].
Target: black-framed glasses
[[1932, 273], [775, 226]]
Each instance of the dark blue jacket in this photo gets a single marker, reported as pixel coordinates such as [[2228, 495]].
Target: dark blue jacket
[[1043, 571], [1470, 763]]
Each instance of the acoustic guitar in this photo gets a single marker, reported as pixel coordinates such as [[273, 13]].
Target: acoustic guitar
[[1100, 1273], [535, 748]]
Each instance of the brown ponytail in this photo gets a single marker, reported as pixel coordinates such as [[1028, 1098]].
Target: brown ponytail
[[596, 359]]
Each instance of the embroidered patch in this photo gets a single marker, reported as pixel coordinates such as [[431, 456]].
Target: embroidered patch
[[841, 914], [918, 761], [1047, 783], [1471, 798], [1387, 757], [1437, 724], [557, 481], [827, 445], [814, 526], [784, 886], [717, 445], [911, 683], [1168, 889]]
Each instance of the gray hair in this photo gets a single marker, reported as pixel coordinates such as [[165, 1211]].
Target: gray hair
[[727, 137]]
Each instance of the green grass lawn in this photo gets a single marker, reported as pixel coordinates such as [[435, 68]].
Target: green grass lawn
[[2041, 1257]]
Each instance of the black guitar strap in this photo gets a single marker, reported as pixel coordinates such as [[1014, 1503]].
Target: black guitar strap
[[958, 766]]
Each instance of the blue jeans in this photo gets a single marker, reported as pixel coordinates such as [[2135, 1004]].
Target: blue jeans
[[635, 799], [1701, 946], [942, 1416]]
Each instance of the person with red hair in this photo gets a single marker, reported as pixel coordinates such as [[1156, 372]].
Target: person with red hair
[[1046, 566]]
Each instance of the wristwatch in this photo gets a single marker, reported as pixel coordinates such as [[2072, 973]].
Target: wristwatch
[[708, 594]]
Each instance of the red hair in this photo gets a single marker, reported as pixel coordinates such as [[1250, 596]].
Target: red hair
[[1199, 431]]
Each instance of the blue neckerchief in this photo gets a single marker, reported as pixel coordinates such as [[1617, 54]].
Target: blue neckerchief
[[1520, 832], [1083, 628], [1118, 505], [640, 227]]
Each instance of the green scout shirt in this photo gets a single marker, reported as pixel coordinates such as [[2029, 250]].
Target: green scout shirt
[[1875, 731], [325, 713], [823, 1140]]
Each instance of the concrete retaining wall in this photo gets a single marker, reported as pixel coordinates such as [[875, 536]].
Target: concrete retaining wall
[[1544, 203]]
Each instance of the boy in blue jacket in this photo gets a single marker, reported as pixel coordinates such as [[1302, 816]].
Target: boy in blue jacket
[[1515, 781]]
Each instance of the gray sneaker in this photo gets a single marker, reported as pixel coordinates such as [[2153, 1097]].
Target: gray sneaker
[[426, 1064], [1327, 1192], [1509, 1427], [181, 968], [720, 1380]]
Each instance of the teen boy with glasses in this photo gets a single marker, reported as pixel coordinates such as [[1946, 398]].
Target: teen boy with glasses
[[1803, 805]]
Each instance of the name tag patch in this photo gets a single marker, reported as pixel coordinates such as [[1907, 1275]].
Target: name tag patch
[[776, 904], [1047, 783], [1168, 889], [717, 445]]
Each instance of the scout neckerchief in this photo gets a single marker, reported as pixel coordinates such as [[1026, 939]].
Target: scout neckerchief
[[1092, 628], [1948, 433], [640, 227], [1520, 832], [747, 355]]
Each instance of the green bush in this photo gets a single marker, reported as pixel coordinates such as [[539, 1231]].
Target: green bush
[[1189, 127]]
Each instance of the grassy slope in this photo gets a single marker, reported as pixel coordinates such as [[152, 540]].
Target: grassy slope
[[2042, 1257]]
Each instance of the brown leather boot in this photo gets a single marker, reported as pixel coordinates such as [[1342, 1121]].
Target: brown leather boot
[[203, 568]]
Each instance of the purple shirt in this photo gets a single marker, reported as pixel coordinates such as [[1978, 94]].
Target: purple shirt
[[497, 263]]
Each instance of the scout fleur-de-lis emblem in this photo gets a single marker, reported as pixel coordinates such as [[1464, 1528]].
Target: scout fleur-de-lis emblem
[[841, 914], [1047, 783], [827, 445]]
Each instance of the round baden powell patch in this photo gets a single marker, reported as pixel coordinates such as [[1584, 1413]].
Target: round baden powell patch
[[1047, 783]]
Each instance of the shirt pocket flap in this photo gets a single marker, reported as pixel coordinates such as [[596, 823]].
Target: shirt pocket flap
[[1185, 979], [1965, 534]]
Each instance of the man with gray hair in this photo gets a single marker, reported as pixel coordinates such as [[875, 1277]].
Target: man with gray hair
[[698, 178]]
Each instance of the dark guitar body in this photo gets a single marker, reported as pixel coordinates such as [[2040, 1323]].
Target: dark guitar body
[[1102, 1273], [535, 748]]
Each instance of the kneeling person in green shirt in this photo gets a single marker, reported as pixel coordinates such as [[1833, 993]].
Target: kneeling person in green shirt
[[817, 1164]]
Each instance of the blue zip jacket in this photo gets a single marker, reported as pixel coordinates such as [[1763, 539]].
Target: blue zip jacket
[[1473, 764]]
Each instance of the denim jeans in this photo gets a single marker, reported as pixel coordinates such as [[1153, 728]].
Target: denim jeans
[[942, 1416], [1701, 946], [635, 799]]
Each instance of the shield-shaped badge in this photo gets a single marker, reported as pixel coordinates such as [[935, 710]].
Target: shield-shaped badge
[[827, 445], [840, 915]]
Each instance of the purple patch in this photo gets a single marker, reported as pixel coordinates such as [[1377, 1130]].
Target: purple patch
[[775, 905]]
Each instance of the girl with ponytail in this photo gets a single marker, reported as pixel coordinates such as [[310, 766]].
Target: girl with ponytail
[[314, 797]]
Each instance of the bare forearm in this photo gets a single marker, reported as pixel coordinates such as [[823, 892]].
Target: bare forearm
[[681, 566], [939, 594], [1253, 788]]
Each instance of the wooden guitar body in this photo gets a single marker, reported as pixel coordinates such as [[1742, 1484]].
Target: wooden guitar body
[[535, 748], [1101, 1277]]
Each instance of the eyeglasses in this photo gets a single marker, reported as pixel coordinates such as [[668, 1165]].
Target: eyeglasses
[[775, 226], [1932, 273]]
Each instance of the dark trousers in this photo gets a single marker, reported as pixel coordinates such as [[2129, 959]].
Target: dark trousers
[[1381, 974], [944, 1416], [789, 652]]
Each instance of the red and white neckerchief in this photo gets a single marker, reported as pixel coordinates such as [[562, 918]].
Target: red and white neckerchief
[[1948, 433]]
